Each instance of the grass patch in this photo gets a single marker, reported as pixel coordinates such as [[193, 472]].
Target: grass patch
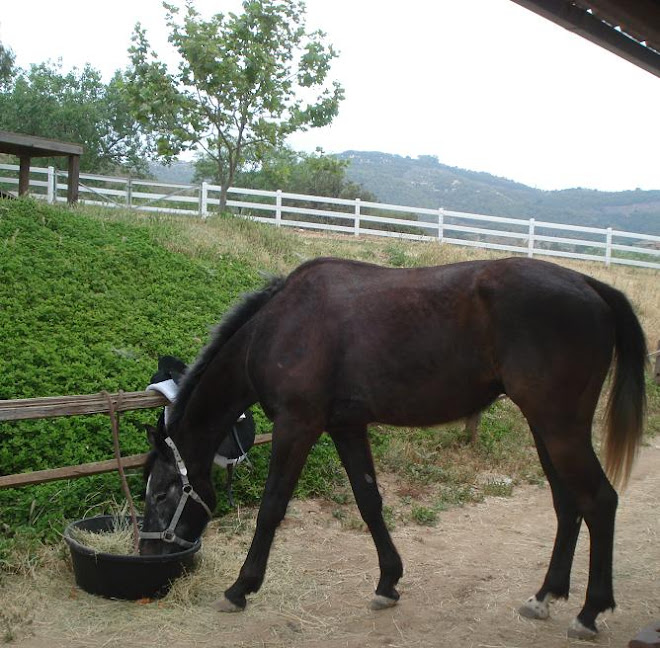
[[424, 515], [653, 409], [497, 488]]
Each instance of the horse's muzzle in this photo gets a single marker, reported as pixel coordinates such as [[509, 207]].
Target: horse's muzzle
[[157, 548]]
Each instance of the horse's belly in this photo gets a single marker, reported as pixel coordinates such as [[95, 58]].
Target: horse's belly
[[413, 402]]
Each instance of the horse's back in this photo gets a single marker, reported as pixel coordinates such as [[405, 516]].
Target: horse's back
[[418, 345]]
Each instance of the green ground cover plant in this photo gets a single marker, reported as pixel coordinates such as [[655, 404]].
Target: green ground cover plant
[[88, 304]]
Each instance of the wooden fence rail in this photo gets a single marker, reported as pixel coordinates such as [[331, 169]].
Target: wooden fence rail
[[37, 408]]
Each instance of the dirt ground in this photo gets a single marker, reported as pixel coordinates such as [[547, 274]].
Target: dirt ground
[[464, 580]]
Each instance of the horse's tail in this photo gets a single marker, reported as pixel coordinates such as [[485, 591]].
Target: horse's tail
[[627, 400]]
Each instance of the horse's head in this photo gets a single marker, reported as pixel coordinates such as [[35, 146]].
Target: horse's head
[[177, 505]]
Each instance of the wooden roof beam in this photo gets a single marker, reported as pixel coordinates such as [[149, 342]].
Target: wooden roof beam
[[591, 27]]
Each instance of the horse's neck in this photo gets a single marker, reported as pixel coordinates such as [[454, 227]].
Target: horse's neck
[[222, 394]]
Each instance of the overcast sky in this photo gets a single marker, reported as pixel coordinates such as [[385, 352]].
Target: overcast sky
[[481, 84]]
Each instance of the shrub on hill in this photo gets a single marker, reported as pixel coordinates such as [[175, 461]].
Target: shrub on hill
[[86, 305]]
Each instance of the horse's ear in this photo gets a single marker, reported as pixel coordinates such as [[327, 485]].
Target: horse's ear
[[172, 367]]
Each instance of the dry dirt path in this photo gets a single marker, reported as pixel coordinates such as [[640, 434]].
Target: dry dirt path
[[463, 582]]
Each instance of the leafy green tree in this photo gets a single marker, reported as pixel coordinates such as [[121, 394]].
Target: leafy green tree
[[315, 173], [77, 107], [244, 83], [7, 70]]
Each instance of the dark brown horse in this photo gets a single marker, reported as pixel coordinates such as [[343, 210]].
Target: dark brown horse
[[340, 344]]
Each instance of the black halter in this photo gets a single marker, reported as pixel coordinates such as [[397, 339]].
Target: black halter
[[188, 492]]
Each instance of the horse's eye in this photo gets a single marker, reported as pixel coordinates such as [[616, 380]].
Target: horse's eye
[[159, 498]]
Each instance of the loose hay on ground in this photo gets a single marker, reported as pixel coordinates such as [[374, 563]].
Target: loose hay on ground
[[462, 584]]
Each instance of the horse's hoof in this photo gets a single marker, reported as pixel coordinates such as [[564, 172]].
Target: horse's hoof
[[225, 605], [532, 608], [380, 602], [577, 630]]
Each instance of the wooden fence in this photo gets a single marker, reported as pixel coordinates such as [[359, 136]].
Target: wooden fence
[[530, 237], [36, 408]]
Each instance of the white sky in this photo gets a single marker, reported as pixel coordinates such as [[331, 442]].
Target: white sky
[[482, 84]]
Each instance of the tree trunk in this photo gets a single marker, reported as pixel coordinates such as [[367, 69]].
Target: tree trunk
[[223, 198]]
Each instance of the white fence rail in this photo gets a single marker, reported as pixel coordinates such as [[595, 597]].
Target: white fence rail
[[354, 217]]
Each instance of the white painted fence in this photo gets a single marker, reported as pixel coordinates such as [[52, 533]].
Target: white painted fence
[[354, 217]]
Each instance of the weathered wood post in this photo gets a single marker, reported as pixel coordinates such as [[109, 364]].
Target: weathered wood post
[[472, 427], [74, 179], [24, 175], [656, 370]]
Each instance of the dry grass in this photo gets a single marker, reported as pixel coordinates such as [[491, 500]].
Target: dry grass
[[47, 602], [119, 541], [279, 250], [461, 584]]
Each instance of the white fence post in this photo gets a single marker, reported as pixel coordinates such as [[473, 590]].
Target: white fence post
[[129, 192], [608, 247], [441, 224], [530, 242], [278, 208], [204, 200], [51, 188], [357, 217]]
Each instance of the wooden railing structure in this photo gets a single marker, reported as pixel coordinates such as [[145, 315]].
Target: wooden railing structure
[[37, 408]]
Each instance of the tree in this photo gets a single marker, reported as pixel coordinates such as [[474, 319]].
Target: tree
[[76, 107], [244, 83], [315, 173], [7, 70]]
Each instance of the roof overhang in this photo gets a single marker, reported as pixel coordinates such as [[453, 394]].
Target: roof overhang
[[32, 146], [28, 146], [628, 28]]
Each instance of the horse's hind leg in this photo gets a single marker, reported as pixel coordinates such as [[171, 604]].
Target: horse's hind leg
[[558, 577], [353, 447], [292, 442], [579, 472]]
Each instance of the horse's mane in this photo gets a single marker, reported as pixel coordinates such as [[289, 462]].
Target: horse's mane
[[230, 324]]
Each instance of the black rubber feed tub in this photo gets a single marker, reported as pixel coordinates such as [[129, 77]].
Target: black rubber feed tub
[[124, 576]]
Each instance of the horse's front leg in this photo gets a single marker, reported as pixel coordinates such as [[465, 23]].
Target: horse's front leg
[[354, 451], [292, 441]]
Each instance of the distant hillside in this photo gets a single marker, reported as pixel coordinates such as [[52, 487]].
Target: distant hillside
[[425, 182], [179, 172]]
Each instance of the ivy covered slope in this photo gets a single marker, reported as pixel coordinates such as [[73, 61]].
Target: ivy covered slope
[[88, 304]]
